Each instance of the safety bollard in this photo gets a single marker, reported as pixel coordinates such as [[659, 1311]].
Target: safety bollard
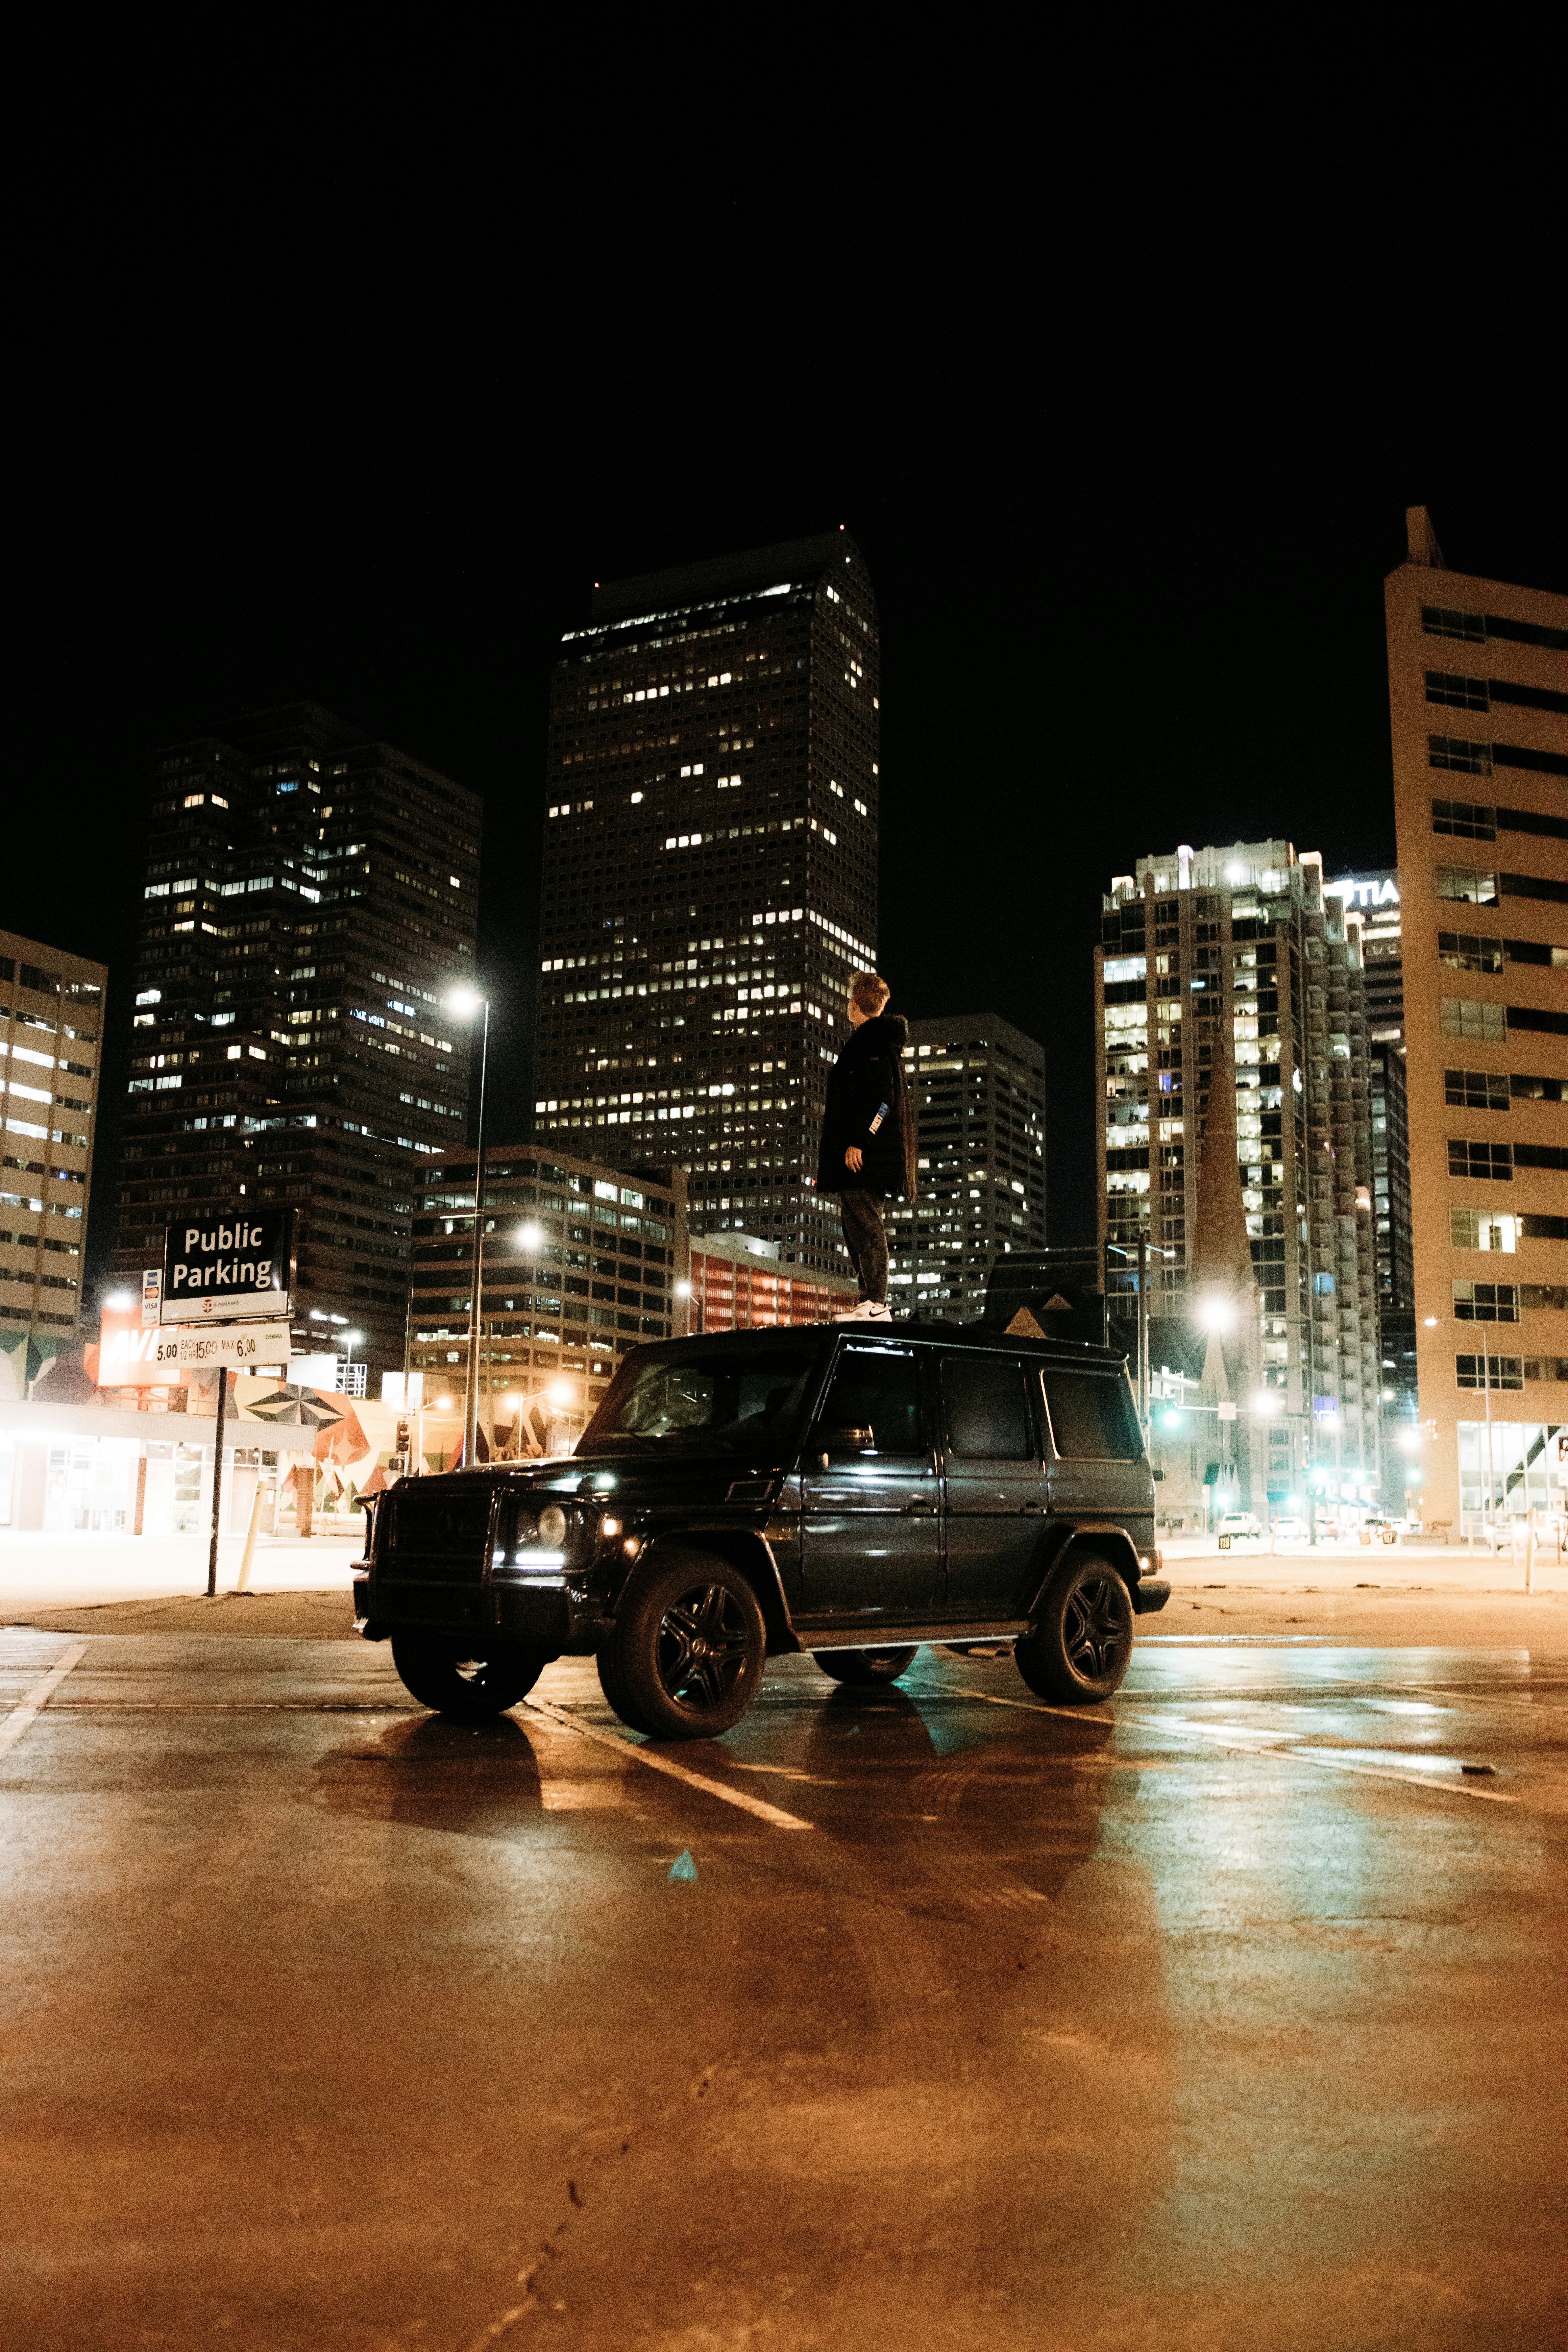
[[246, 1557]]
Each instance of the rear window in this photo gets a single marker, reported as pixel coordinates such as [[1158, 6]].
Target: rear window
[[1091, 1415], [985, 1409]]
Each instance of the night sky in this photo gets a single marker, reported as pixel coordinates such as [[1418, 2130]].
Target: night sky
[[1127, 533]]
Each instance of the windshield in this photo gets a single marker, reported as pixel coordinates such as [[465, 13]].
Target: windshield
[[711, 1397]]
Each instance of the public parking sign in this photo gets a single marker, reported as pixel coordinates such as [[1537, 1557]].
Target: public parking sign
[[234, 1266]]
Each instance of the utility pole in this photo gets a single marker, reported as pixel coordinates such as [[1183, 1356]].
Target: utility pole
[[1144, 1331], [476, 1313], [217, 1478]]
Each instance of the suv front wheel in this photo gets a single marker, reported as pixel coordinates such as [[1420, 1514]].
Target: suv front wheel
[[1081, 1644], [471, 1677], [685, 1659]]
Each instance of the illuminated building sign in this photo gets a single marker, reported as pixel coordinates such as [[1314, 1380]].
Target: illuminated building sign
[[1380, 890]]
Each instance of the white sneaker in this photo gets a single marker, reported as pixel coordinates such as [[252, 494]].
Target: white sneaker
[[876, 1310]]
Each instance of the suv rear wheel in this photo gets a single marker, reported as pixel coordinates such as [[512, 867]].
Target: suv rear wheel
[[1081, 1644], [685, 1660], [861, 1667], [467, 1677]]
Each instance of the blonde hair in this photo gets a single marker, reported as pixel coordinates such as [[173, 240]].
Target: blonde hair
[[870, 991]]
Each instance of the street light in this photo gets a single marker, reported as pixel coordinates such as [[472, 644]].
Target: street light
[[464, 1003], [351, 1340], [119, 1302]]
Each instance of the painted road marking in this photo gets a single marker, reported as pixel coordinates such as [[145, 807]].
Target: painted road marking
[[748, 1804], [1417, 1774], [38, 1698]]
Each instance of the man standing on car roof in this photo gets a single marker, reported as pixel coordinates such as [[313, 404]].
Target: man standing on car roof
[[869, 1137]]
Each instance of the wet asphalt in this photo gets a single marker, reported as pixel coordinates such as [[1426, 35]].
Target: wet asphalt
[[1229, 2015]]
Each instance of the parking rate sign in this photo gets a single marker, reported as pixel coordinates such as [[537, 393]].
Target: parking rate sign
[[228, 1267]]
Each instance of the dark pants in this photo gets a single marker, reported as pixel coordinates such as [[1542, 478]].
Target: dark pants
[[865, 1238]]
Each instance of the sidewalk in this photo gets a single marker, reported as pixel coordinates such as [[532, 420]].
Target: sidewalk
[[1346, 1566], [38, 1571]]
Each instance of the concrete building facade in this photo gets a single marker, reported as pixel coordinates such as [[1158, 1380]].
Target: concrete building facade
[[740, 1283], [710, 878], [1479, 703], [580, 1262], [51, 1035]]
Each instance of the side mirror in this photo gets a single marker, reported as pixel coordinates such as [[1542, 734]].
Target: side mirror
[[843, 1442]]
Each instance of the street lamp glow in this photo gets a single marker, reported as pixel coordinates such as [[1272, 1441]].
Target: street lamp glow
[[1263, 1402], [561, 1392], [119, 1302], [683, 1290], [464, 1002], [528, 1238], [1216, 1315]]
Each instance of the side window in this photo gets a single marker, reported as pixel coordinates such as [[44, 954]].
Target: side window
[[1091, 1415], [877, 1388], [985, 1409]]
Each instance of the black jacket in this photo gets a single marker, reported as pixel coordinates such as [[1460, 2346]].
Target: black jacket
[[868, 1104]]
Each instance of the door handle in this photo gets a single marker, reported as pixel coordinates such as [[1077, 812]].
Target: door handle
[[1028, 1506], [914, 1510]]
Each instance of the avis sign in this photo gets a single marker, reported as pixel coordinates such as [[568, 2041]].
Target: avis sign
[[230, 1267]]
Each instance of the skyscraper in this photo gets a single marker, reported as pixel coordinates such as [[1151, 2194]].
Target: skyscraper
[[309, 900], [51, 1031], [709, 876], [1374, 895], [1211, 956], [979, 1091], [1483, 833]]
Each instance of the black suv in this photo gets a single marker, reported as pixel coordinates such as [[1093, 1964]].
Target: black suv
[[851, 1491]]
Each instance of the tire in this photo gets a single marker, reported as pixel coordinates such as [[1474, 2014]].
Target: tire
[[1079, 1646], [470, 1677], [864, 1667], [685, 1658]]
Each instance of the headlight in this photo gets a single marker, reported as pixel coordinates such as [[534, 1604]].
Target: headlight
[[552, 1526]]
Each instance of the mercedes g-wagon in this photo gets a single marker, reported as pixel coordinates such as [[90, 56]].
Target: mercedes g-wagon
[[845, 1490]]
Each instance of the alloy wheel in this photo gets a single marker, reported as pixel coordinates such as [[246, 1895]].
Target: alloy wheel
[[702, 1647]]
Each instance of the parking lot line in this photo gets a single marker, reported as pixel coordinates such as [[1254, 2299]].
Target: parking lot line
[[748, 1804], [37, 1698], [1244, 1736]]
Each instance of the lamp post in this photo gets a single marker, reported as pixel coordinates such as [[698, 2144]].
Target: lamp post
[[351, 1340], [464, 1003], [1146, 1248]]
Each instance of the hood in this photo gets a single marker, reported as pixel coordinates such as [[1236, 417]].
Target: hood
[[691, 1476], [890, 1030]]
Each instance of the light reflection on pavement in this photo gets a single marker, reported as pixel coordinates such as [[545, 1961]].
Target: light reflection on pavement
[[1230, 2014]]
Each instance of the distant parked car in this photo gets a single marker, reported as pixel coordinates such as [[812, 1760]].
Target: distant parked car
[[1237, 1523], [1289, 1526]]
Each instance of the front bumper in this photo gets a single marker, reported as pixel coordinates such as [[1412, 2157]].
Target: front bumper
[[1150, 1593], [564, 1621]]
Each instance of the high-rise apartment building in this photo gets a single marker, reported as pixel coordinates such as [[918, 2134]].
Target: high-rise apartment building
[[979, 1091], [51, 1032], [1482, 839], [580, 1263], [309, 901], [1213, 957], [709, 876], [1374, 895]]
